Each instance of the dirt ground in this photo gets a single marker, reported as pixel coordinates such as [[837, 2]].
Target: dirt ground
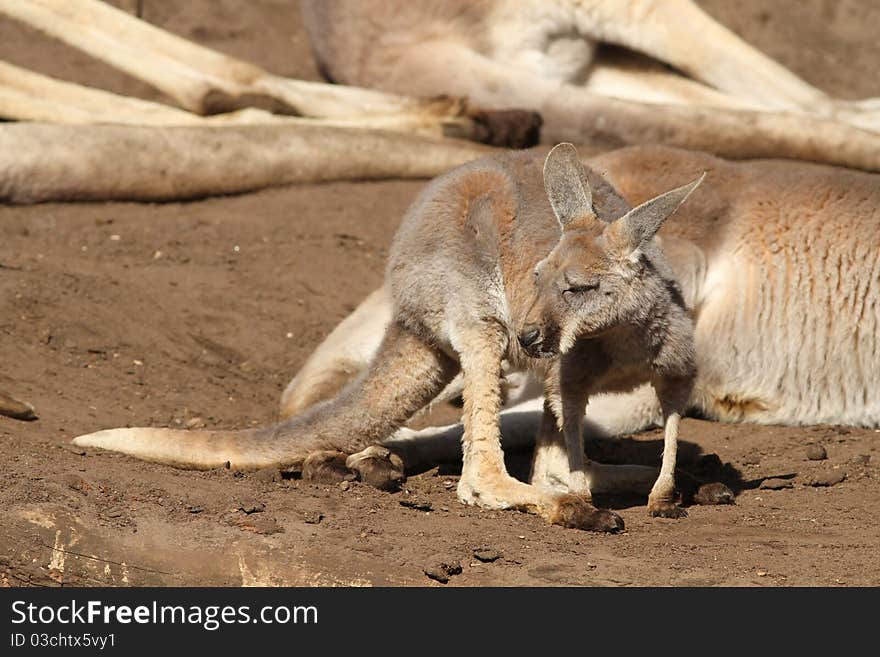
[[132, 314]]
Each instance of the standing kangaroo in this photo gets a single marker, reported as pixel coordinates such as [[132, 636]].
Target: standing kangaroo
[[480, 272]]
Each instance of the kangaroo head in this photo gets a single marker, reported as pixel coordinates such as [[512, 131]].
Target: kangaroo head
[[598, 276]]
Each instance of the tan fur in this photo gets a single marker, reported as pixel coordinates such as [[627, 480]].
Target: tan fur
[[464, 296], [41, 162], [15, 408], [435, 68], [780, 264], [542, 55]]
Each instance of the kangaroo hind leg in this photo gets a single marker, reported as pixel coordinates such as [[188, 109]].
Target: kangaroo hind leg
[[405, 375]]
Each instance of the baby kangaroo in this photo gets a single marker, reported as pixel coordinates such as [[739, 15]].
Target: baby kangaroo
[[491, 265]]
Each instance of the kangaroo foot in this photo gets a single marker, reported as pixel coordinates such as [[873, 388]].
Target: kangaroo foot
[[379, 467], [508, 128], [326, 467], [574, 512], [665, 509]]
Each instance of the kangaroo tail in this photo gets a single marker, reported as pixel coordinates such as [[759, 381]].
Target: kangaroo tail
[[406, 374]]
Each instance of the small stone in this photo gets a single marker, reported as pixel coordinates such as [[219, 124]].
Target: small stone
[[861, 459], [418, 505], [761, 573], [441, 570], [113, 512], [313, 517], [250, 506], [816, 453], [194, 508], [448, 484], [776, 484], [486, 555], [344, 485], [751, 459], [194, 423], [828, 478], [75, 482]]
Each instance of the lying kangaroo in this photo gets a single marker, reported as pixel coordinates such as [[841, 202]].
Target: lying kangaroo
[[480, 272], [483, 57], [544, 55]]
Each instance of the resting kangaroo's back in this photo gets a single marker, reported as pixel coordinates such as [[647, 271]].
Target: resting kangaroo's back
[[780, 262], [782, 266]]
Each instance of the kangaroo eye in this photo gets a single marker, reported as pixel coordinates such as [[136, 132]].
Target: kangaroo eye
[[581, 289]]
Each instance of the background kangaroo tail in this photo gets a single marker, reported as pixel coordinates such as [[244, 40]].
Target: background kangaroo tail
[[406, 374]]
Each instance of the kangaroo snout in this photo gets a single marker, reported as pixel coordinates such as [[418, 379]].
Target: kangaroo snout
[[539, 341]]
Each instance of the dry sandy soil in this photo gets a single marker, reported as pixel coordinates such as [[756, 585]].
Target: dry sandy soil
[[125, 314]]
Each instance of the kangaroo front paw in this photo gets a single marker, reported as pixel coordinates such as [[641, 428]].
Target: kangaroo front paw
[[715, 493], [378, 467], [666, 509], [574, 512], [326, 467]]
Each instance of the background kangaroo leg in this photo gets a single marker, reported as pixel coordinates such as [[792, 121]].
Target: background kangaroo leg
[[683, 35], [207, 82], [28, 96], [40, 162], [636, 78], [574, 114]]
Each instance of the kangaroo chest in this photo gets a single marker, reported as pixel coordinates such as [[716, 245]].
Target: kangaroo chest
[[609, 364]]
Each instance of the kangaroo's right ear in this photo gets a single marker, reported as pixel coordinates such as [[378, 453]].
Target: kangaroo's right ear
[[565, 181], [641, 223]]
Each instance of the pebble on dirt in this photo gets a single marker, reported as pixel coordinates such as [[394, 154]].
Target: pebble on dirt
[[250, 506], [827, 478], [441, 570], [418, 505], [486, 555], [816, 453]]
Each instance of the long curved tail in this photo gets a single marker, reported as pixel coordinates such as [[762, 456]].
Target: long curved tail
[[405, 375]]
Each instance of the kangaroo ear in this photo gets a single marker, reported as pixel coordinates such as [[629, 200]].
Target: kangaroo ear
[[565, 181], [642, 222]]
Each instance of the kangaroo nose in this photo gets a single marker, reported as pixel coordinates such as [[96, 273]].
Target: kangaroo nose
[[529, 336]]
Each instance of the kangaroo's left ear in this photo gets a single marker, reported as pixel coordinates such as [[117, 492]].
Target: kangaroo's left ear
[[565, 182], [641, 223]]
